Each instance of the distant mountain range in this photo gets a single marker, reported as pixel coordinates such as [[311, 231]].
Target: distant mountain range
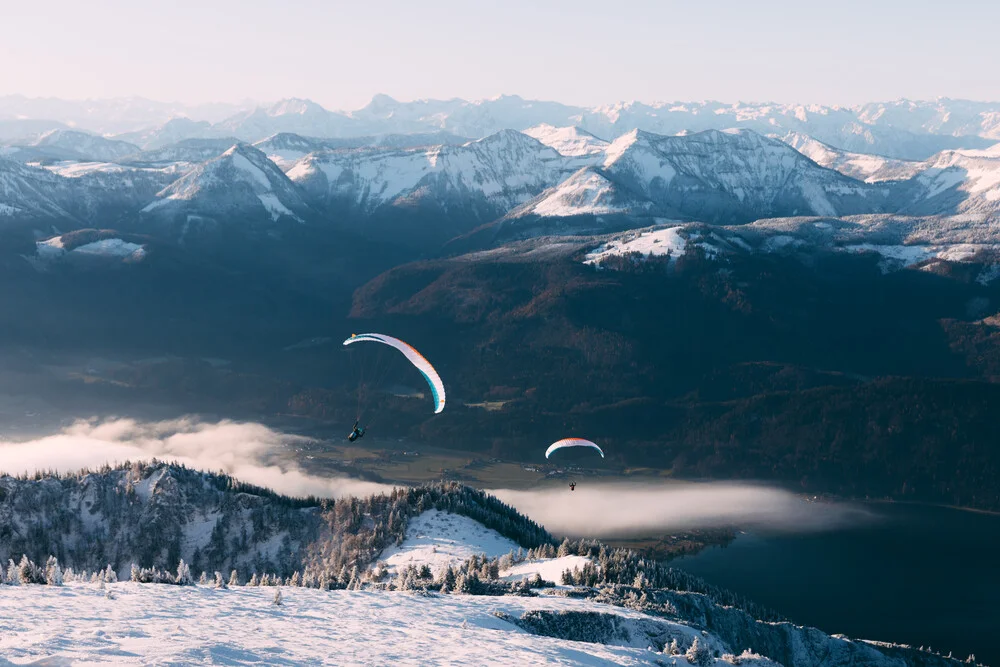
[[423, 190], [911, 130]]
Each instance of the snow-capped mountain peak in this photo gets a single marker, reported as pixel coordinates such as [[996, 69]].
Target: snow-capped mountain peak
[[295, 106], [240, 183], [569, 141]]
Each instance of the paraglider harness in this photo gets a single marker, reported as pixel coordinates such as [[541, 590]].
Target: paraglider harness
[[356, 432]]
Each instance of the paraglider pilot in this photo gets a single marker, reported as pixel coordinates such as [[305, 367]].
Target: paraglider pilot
[[572, 486], [356, 432]]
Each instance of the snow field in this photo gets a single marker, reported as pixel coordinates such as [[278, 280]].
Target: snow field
[[439, 539], [549, 569], [160, 624], [657, 242]]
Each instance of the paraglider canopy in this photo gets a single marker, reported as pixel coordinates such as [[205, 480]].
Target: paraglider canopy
[[571, 442], [414, 357]]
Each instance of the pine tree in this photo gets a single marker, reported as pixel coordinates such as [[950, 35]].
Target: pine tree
[[134, 573], [219, 581], [110, 576], [234, 578], [203, 579], [254, 581], [448, 580], [12, 578], [184, 574], [28, 572], [277, 598], [699, 654], [53, 574]]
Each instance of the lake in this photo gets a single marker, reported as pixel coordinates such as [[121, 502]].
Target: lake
[[916, 575]]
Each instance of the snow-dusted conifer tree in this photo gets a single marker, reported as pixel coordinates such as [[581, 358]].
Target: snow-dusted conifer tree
[[564, 548], [448, 580], [12, 578], [110, 576], [254, 580], [135, 574], [234, 578], [698, 653], [29, 573], [203, 579], [53, 573], [184, 574], [277, 598], [219, 581]]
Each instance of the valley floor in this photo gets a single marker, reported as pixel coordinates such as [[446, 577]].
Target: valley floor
[[160, 624]]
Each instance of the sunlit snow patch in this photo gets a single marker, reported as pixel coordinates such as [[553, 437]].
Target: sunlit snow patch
[[439, 539], [549, 569], [649, 243], [569, 141], [55, 248]]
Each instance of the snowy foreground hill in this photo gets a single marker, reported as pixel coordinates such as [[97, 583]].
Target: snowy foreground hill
[[438, 575], [145, 623]]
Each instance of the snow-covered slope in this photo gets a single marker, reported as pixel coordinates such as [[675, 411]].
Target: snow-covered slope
[[94, 194], [718, 177], [128, 623], [29, 193], [547, 569], [286, 148], [897, 241], [957, 182], [864, 167], [587, 192], [439, 539], [648, 243], [109, 250], [239, 185], [468, 185], [569, 141]]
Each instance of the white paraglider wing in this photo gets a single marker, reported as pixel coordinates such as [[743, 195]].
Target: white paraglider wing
[[571, 442], [414, 357]]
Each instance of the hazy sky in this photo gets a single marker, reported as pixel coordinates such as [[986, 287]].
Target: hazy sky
[[585, 52]]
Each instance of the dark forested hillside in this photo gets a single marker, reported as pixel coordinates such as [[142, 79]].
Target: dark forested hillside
[[830, 374]]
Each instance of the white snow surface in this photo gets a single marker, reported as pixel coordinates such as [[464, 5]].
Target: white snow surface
[[584, 193], [54, 248], [111, 248], [549, 569], [160, 624], [440, 539], [568, 141], [647, 242]]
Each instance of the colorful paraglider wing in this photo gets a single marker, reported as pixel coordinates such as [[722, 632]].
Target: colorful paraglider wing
[[414, 357], [571, 442]]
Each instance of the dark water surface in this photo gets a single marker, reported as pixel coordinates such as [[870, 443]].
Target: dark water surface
[[919, 575]]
